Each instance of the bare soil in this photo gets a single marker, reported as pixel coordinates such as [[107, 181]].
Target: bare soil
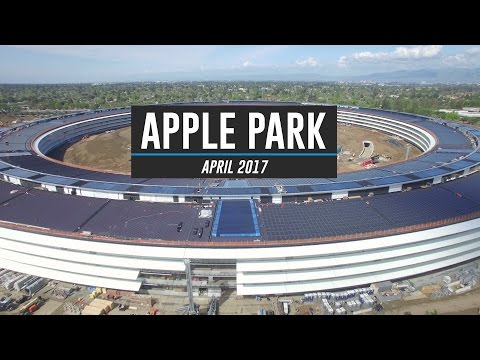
[[107, 151], [390, 148], [465, 304], [8, 120]]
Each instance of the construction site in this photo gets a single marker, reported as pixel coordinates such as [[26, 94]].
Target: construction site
[[453, 291], [200, 246], [111, 150]]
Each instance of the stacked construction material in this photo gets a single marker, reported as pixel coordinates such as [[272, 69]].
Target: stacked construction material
[[98, 307]]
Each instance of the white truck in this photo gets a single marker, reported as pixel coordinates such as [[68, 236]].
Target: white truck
[[285, 308]]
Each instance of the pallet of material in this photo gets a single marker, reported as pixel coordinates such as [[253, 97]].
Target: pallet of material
[[102, 302], [104, 305], [463, 289], [415, 296], [92, 310], [429, 289]]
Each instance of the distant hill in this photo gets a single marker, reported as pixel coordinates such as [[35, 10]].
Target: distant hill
[[430, 76], [425, 75]]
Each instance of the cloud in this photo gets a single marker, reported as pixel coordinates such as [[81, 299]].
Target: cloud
[[369, 55], [399, 54], [417, 52], [469, 58], [473, 51], [258, 56], [310, 61], [342, 61]]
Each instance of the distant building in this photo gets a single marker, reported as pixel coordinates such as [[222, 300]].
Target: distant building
[[472, 109], [465, 112], [469, 112]]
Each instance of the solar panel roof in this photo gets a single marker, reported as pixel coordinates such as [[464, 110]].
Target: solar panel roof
[[57, 180], [22, 173], [167, 190], [431, 172], [106, 186], [389, 180], [459, 164]]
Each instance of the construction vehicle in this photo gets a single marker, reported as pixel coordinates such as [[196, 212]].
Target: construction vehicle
[[22, 299], [7, 304], [32, 306], [286, 305], [153, 311]]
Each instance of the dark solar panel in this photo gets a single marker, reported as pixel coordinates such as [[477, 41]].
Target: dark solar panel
[[131, 219], [468, 186], [337, 186], [167, 190], [446, 135], [389, 180], [310, 220], [411, 166], [291, 189], [422, 206], [21, 173], [437, 158], [235, 183], [106, 186], [50, 210], [79, 183], [363, 174], [475, 156], [454, 151], [305, 188], [265, 190], [365, 183], [233, 191], [8, 191], [174, 182], [459, 165], [39, 164], [431, 173], [134, 188], [54, 179], [35, 177], [287, 181], [321, 187]]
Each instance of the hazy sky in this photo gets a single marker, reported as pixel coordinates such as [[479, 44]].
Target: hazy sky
[[96, 63]]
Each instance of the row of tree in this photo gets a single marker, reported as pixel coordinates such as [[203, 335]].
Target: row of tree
[[421, 99]]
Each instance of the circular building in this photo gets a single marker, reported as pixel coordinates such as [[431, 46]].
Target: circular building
[[258, 236]]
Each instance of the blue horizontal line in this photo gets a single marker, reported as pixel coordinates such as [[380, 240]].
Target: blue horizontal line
[[187, 154], [238, 235]]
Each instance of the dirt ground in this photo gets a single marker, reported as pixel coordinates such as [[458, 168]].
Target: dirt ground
[[390, 148], [111, 151], [465, 304], [106, 151], [8, 120], [231, 304]]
